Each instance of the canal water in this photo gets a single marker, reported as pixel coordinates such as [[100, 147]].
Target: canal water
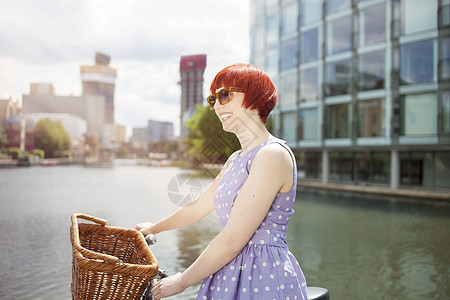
[[358, 248]]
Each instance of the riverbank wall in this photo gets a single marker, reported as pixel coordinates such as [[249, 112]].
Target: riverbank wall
[[406, 194]]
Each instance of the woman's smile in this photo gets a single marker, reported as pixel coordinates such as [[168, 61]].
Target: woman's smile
[[225, 116]]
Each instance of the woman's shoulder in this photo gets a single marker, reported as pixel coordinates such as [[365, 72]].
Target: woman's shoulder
[[274, 153]]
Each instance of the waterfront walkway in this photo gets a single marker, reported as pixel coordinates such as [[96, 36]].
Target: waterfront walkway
[[429, 194]]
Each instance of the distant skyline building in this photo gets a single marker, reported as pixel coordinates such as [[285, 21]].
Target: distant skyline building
[[155, 131], [99, 79], [363, 87], [192, 68], [88, 107]]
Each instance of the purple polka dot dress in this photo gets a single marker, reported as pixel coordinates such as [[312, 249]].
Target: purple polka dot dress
[[265, 268]]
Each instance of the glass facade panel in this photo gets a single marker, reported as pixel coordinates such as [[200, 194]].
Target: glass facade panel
[[417, 63], [339, 35], [418, 15], [313, 165], [445, 109], [445, 13], [272, 61], [272, 27], [341, 166], [371, 118], [308, 124], [288, 89], [381, 162], [442, 169], [338, 78], [288, 126], [429, 169], [311, 11], [445, 59], [309, 46], [289, 54], [419, 114], [289, 19], [373, 24], [363, 166], [335, 5], [309, 84], [338, 121], [371, 71]]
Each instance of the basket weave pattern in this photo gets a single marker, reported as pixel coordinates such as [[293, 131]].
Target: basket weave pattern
[[109, 262]]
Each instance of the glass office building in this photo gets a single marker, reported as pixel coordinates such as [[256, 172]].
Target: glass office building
[[363, 85]]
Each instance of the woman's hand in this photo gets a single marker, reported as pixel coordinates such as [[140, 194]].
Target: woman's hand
[[145, 228], [168, 286]]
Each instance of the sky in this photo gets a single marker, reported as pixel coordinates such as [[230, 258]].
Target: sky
[[46, 41]]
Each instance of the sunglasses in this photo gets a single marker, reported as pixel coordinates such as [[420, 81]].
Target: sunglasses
[[223, 96]]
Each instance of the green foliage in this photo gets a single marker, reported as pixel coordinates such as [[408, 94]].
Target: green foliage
[[207, 142], [67, 154], [14, 152], [51, 137], [39, 152], [3, 140]]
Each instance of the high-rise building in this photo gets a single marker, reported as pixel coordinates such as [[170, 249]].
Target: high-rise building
[[192, 68], [363, 86], [99, 79]]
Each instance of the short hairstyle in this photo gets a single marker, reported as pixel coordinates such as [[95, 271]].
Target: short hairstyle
[[260, 91]]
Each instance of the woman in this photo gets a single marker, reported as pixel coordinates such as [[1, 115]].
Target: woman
[[253, 196]]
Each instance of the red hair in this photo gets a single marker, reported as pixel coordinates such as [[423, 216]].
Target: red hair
[[260, 92]]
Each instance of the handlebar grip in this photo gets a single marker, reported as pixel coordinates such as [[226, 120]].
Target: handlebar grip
[[150, 239]]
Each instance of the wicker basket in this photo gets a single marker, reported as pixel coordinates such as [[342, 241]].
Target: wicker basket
[[109, 262]]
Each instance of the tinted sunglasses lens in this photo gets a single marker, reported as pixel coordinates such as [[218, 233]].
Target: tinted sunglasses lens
[[224, 96]]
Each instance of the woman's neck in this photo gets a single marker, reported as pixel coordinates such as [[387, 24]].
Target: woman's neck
[[251, 134]]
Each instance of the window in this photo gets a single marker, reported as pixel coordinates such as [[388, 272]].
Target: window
[[288, 126], [313, 165], [289, 55], [289, 19], [309, 46], [419, 114], [371, 71], [272, 27], [311, 11], [417, 62], [444, 13], [272, 61], [339, 35], [335, 5], [338, 121], [308, 127], [445, 59], [309, 85], [442, 169], [418, 15], [341, 166], [372, 25], [338, 78], [381, 162], [371, 118], [445, 110], [288, 89]]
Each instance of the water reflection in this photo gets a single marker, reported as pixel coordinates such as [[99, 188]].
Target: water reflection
[[381, 248], [194, 238]]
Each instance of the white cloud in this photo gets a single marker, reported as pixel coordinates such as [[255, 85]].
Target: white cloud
[[47, 41]]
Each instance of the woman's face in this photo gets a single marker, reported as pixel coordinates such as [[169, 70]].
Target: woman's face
[[230, 112]]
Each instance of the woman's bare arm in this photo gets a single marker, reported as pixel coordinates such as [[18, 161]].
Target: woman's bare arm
[[188, 214]]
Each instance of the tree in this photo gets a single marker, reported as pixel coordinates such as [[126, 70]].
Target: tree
[[207, 142], [51, 137]]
